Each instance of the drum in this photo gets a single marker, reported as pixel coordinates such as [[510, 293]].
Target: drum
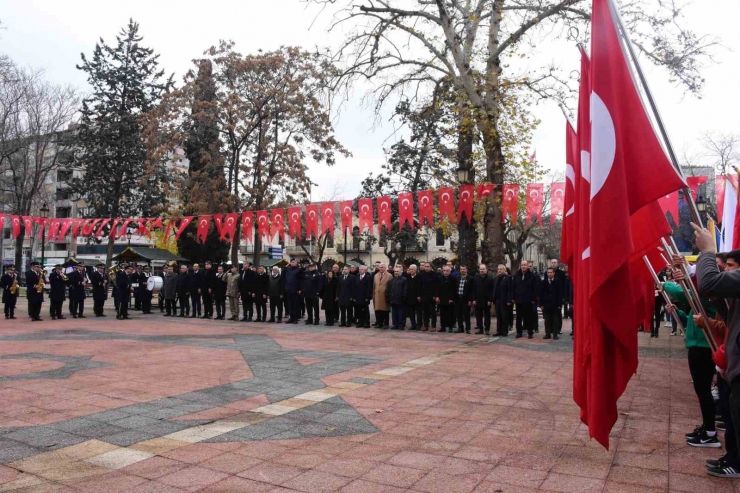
[[154, 283]]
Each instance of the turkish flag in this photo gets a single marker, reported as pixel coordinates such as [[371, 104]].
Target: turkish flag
[[345, 211], [365, 206], [384, 213], [736, 228], [227, 233], [327, 218], [204, 224], [28, 225], [218, 220], [669, 205], [113, 231], [572, 171], [89, 228], [557, 200], [124, 227], [312, 220], [629, 170], [484, 190], [693, 182], [277, 224], [184, 223], [248, 226], [425, 199], [168, 229], [534, 201], [405, 209], [294, 222], [54, 226], [142, 230], [157, 224], [510, 203], [720, 183], [263, 224], [103, 224], [77, 225], [465, 202], [446, 204], [42, 222], [15, 221]]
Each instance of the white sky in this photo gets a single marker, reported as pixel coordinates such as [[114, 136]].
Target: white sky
[[52, 34]]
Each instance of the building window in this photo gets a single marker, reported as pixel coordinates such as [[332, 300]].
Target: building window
[[64, 212], [64, 175], [356, 238], [330, 242], [440, 237], [62, 194]]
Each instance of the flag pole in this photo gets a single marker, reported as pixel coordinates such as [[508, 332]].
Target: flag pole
[[686, 293], [664, 133], [668, 302]]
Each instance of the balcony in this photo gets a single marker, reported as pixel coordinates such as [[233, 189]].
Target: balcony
[[249, 249], [358, 247]]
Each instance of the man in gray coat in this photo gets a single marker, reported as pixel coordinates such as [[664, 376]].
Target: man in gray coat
[[170, 291]]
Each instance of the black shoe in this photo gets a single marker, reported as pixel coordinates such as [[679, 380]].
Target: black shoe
[[78, 316], [444, 330], [537, 331], [193, 316], [271, 321], [697, 432], [548, 336], [504, 335], [518, 336], [530, 336], [53, 318], [479, 331], [726, 471], [555, 337], [309, 322], [317, 322], [74, 316], [704, 441], [459, 331], [717, 462], [166, 315]]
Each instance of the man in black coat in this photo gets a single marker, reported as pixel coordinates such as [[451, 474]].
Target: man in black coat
[[363, 295], [77, 294], [551, 301], [276, 291], [123, 291], [428, 288], [413, 309], [196, 285], [100, 289], [310, 287], [345, 296], [182, 288], [464, 300], [562, 277], [447, 298], [482, 300], [219, 294], [293, 276], [136, 284], [525, 285], [261, 287], [502, 300], [246, 290], [207, 287], [57, 293], [35, 298], [8, 283], [145, 296]]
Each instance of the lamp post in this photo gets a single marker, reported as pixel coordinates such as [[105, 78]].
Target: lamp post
[[44, 211], [128, 236], [701, 205], [463, 174]]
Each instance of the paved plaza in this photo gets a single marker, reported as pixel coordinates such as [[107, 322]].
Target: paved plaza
[[169, 404]]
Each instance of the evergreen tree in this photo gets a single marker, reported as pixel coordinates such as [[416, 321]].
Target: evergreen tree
[[119, 179]]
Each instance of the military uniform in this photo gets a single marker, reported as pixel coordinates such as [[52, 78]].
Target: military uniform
[[9, 299]]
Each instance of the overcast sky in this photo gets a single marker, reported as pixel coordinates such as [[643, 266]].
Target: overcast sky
[[52, 34]]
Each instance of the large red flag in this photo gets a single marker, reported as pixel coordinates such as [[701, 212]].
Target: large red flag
[[89, 228], [405, 209], [345, 211], [693, 182], [736, 228], [446, 204], [312, 220], [572, 170], [16, 224], [184, 223], [28, 225], [227, 233], [720, 184], [294, 222], [465, 202], [204, 225], [218, 220], [534, 201], [327, 218], [557, 200], [484, 190], [510, 202], [365, 206], [248, 226], [142, 229], [629, 170], [103, 223], [384, 213], [425, 199], [263, 224], [669, 205], [277, 224]]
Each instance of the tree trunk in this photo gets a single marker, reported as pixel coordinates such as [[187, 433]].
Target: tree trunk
[[467, 235], [235, 242], [257, 248], [19, 267], [109, 250], [492, 243]]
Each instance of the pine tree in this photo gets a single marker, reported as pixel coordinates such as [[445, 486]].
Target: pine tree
[[119, 179]]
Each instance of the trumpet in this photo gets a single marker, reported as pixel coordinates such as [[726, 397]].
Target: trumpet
[[64, 277], [40, 285], [14, 286]]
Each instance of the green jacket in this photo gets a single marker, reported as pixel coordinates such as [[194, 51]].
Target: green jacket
[[694, 335]]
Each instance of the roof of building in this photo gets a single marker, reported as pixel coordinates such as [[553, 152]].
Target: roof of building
[[133, 254]]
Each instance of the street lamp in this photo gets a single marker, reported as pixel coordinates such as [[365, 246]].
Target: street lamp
[[463, 175], [44, 211], [128, 236], [701, 204]]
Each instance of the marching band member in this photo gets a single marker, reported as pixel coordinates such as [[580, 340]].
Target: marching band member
[[11, 289]]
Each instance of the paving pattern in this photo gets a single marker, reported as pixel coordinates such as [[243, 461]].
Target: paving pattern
[[168, 405]]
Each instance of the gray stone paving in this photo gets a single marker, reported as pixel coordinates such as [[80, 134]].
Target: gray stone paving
[[72, 364]]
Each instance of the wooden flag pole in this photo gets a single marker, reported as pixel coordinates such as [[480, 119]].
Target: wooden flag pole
[[668, 302]]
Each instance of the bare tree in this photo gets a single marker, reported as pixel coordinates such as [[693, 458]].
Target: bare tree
[[723, 149], [35, 116]]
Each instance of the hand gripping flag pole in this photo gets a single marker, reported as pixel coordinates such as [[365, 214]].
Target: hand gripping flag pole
[[668, 303]]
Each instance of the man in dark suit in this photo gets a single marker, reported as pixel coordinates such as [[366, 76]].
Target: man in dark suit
[[276, 291], [413, 298], [502, 300], [207, 287], [136, 284], [182, 287], [428, 286], [8, 284], [482, 300], [246, 290], [144, 294], [100, 289], [345, 296], [77, 294], [560, 275], [525, 290], [123, 291], [464, 300], [293, 276], [551, 301], [219, 294], [34, 277], [196, 283], [447, 298], [310, 286], [363, 295], [57, 292]]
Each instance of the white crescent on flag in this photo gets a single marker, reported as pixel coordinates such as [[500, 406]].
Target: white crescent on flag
[[365, 207], [230, 220], [510, 193], [534, 194], [405, 203], [425, 200], [445, 197], [278, 217], [311, 214], [384, 205], [294, 216], [464, 194], [559, 193], [603, 143]]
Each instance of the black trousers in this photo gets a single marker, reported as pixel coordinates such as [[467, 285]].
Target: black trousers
[[220, 306], [208, 304], [658, 316], [446, 316], [294, 306], [77, 307], [184, 304], [381, 318], [170, 307], [330, 314], [526, 318], [483, 316], [502, 319], [10, 307], [462, 312], [552, 320], [312, 309], [34, 309], [276, 303], [415, 314], [247, 306], [146, 300], [429, 314], [510, 317], [137, 299], [123, 307], [55, 309], [730, 437], [702, 369], [98, 307], [195, 302], [346, 314]]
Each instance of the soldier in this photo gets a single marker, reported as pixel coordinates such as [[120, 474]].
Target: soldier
[[123, 285], [100, 289], [232, 291], [57, 293], [35, 291], [11, 289], [77, 294]]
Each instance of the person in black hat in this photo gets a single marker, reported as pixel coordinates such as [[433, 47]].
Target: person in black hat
[[207, 288], [123, 285], [100, 289], [57, 292], [77, 294], [11, 289], [144, 294], [34, 278]]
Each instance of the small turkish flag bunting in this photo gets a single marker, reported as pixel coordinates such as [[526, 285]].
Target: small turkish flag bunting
[[425, 199], [77, 225], [157, 224], [557, 200], [277, 224], [113, 230], [102, 225], [345, 210], [510, 203], [534, 202], [248, 226], [42, 222], [405, 209], [294, 222], [124, 227], [53, 229], [366, 214], [484, 190], [28, 225], [204, 224], [218, 220], [227, 233], [168, 228], [184, 223], [263, 224], [384, 212], [446, 204], [327, 218], [142, 230], [465, 202], [16, 223], [89, 228], [312, 220]]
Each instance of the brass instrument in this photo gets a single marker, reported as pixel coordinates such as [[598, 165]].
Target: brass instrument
[[40, 284], [64, 277], [14, 286], [112, 271]]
